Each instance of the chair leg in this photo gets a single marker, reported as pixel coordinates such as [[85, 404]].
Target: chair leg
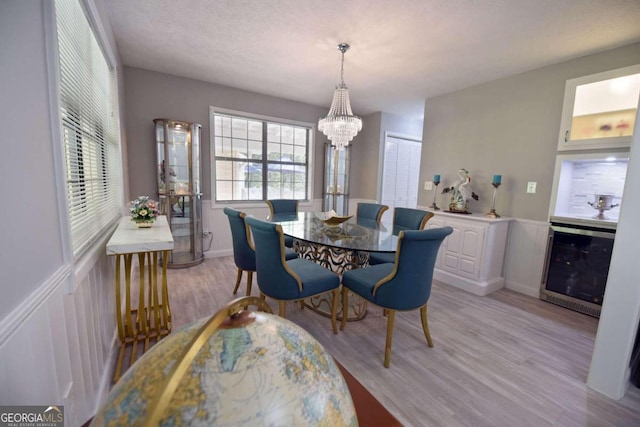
[[249, 280], [301, 304], [391, 315], [334, 309], [282, 309], [238, 278], [425, 324], [263, 297], [343, 323]]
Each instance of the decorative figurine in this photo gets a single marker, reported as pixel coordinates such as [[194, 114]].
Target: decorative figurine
[[461, 192]]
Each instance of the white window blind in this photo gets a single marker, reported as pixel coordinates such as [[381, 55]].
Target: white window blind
[[88, 110]]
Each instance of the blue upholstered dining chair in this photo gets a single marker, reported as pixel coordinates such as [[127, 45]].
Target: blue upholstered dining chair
[[371, 211], [291, 280], [403, 285], [283, 207], [403, 219], [244, 254]]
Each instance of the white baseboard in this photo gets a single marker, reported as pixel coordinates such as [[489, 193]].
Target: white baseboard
[[474, 287], [218, 253], [523, 289]]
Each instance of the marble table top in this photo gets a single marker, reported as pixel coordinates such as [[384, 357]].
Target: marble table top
[[128, 238]]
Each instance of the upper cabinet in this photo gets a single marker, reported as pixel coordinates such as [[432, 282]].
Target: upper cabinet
[[599, 110]]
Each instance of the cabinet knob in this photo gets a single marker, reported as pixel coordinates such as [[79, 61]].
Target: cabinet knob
[[566, 136]]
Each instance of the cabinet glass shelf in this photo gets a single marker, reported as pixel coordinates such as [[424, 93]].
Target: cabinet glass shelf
[[179, 192]]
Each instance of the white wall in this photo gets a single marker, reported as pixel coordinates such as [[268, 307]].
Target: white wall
[[609, 372], [57, 322]]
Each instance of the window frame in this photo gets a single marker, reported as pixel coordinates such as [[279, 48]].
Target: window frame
[[276, 120], [82, 256]]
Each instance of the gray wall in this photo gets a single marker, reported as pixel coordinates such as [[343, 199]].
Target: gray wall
[[29, 225], [367, 150], [151, 95], [509, 127]]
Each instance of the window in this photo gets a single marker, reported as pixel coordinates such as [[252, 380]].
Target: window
[[88, 112], [259, 159]]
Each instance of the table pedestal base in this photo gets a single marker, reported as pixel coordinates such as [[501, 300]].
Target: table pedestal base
[[337, 260], [152, 318]]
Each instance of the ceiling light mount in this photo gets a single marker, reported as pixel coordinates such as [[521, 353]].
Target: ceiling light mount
[[340, 125]]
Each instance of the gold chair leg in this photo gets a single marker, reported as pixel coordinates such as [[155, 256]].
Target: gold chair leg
[[249, 280], [282, 309], [343, 322], [425, 324], [263, 296], [391, 315], [334, 310], [301, 304], [237, 281]]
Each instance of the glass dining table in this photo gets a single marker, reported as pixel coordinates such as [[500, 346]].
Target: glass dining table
[[337, 247]]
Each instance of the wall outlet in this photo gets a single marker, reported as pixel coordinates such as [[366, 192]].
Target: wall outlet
[[428, 185], [531, 187]]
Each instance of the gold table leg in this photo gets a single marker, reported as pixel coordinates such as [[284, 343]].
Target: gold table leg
[[152, 317]]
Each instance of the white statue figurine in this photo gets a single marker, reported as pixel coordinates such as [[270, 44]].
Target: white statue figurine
[[461, 192]]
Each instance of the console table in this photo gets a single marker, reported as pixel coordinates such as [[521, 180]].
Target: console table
[[152, 317], [472, 257]]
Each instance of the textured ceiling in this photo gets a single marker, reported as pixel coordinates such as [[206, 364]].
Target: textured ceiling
[[402, 51]]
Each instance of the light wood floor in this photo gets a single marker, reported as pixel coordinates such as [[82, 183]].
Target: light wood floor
[[501, 360]]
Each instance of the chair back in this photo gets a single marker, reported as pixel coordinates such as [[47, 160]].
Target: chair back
[[410, 219], [409, 284], [243, 253], [282, 206], [275, 279], [372, 211]]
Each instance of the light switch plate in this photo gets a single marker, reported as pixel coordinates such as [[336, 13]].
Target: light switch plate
[[531, 187], [428, 185]]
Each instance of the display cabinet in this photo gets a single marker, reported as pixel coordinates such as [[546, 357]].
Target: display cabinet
[[336, 179], [179, 188], [599, 110]]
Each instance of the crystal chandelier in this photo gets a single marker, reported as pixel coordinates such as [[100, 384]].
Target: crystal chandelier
[[340, 125]]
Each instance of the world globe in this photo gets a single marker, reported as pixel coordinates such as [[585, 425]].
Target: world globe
[[247, 369]]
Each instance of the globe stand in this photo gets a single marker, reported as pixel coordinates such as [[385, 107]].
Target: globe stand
[[435, 192], [492, 213]]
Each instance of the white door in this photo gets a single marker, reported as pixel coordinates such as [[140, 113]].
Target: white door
[[400, 173]]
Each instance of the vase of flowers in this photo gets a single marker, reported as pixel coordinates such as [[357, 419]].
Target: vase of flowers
[[144, 211]]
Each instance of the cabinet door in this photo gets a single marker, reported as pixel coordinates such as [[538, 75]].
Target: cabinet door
[[599, 110], [452, 245], [438, 223], [463, 252], [471, 250]]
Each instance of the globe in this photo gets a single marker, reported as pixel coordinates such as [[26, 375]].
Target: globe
[[248, 369]]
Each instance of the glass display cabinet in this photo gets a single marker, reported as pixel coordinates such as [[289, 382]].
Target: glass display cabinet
[[336, 179], [599, 110], [179, 188]]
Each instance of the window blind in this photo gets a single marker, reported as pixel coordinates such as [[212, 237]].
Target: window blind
[[88, 110]]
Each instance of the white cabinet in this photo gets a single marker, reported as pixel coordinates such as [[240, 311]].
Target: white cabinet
[[472, 257], [599, 110]]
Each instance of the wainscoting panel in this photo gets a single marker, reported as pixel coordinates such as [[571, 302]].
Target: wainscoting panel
[[526, 253], [56, 348]]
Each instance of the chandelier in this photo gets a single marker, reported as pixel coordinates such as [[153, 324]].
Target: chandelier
[[340, 125]]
